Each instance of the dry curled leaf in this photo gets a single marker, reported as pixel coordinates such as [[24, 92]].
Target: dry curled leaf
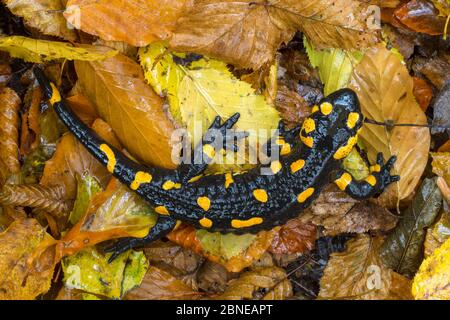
[[385, 91], [294, 237], [137, 22], [44, 15], [48, 199], [161, 285], [133, 110], [358, 273], [262, 283], [19, 279], [247, 33], [9, 133], [339, 213]]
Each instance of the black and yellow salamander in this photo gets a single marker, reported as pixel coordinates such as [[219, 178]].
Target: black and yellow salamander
[[246, 202]]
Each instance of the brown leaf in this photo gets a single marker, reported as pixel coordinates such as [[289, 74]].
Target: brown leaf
[[385, 91], [5, 73], [83, 108], [339, 213], [18, 279], [9, 133], [294, 237], [137, 22], [292, 107], [132, 109], [247, 33], [44, 15], [358, 273], [421, 16], [422, 92], [441, 165], [161, 285], [48, 199], [435, 69], [213, 277], [272, 279], [185, 236]]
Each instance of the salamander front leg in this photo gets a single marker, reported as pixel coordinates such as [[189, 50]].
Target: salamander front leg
[[379, 178], [214, 140], [162, 227]]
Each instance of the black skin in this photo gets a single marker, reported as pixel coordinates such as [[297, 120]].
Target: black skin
[[234, 207]]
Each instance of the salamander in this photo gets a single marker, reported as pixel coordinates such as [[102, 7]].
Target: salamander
[[247, 202]]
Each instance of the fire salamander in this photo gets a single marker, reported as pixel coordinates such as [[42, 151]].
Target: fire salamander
[[248, 202]]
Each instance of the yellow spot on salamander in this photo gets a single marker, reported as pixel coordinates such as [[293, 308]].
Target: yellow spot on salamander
[[204, 203], [162, 210], [111, 157], [196, 178], [375, 168], [56, 96], [302, 197], [209, 151], [371, 180], [309, 125], [307, 141], [228, 180], [285, 147], [206, 223], [276, 166], [237, 224], [140, 178], [344, 181], [297, 165], [260, 195], [343, 151], [315, 109], [169, 185], [352, 120], [326, 108]]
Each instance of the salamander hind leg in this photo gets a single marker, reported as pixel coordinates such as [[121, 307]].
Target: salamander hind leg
[[162, 227], [379, 178], [214, 140]]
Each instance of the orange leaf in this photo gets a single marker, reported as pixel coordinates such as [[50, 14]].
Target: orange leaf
[[83, 108], [422, 92], [137, 22], [294, 237]]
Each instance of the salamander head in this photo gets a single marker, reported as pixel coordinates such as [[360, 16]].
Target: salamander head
[[334, 124]]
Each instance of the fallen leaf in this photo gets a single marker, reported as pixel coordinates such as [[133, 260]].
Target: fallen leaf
[[18, 279], [423, 93], [161, 285], [90, 271], [436, 69], [441, 165], [83, 108], [87, 187], [421, 16], [358, 273], [137, 22], [432, 281], [44, 15], [123, 99], [294, 237], [339, 213], [385, 91], [272, 283], [38, 51], [247, 33], [403, 248], [292, 107], [224, 246], [9, 134], [437, 234], [213, 277], [441, 111]]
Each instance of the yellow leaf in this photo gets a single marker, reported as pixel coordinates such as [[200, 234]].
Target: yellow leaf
[[432, 281], [441, 165], [224, 246], [38, 51], [199, 89], [18, 278], [385, 91]]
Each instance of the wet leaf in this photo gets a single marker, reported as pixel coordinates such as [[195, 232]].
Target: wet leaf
[[271, 281], [87, 188], [90, 271], [385, 91], [441, 108], [44, 15], [161, 285], [358, 273], [137, 22], [437, 234], [403, 248], [18, 279], [294, 237], [224, 246], [436, 69], [432, 281], [38, 51], [213, 277], [441, 165], [292, 107], [133, 110], [422, 92]]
